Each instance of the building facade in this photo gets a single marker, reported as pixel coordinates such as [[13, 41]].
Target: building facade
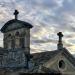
[[15, 57]]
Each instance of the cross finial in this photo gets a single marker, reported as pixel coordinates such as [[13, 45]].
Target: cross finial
[[16, 14], [60, 45], [60, 36]]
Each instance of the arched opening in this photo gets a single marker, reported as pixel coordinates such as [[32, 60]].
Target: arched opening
[[9, 38], [17, 33], [61, 64], [11, 42], [9, 35]]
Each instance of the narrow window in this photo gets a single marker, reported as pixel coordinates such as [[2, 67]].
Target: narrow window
[[22, 42]]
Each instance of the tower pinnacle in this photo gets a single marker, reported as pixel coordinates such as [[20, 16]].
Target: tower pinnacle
[[60, 45], [16, 14]]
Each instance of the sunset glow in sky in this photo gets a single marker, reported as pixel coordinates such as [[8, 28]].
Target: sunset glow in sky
[[48, 18]]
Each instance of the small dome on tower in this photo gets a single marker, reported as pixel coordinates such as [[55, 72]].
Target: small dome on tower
[[15, 24]]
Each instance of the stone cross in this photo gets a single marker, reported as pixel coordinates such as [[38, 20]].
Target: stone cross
[[16, 14], [60, 36]]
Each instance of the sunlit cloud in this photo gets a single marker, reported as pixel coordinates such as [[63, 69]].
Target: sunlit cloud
[[72, 49]]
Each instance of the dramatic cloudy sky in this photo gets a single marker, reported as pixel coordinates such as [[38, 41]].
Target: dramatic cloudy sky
[[48, 18]]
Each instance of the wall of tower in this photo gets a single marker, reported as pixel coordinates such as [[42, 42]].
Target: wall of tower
[[17, 38]]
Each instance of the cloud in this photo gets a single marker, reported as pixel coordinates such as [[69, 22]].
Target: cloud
[[45, 41], [48, 18]]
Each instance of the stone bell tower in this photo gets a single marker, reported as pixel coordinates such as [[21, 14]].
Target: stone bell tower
[[16, 34]]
